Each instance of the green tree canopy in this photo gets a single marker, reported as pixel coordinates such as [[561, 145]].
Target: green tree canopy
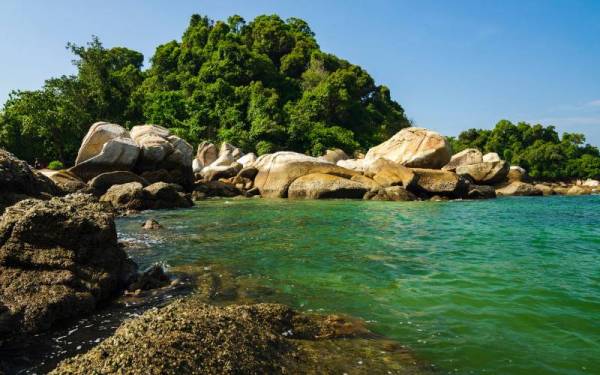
[[536, 148], [265, 86]]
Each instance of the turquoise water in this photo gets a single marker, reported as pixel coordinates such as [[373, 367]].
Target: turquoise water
[[505, 286]]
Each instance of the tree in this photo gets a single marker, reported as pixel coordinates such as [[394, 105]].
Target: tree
[[536, 148]]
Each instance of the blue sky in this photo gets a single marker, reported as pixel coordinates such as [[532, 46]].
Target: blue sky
[[452, 65]]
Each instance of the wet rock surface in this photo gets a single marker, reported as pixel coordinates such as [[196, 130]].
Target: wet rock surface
[[191, 337], [59, 259]]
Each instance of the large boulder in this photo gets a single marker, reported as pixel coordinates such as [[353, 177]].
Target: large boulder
[[98, 134], [414, 147], [390, 193], [546, 189], [159, 195], [591, 183], [465, 157], [357, 165], [106, 147], [58, 259], [19, 181], [212, 173], [323, 186], [491, 157], [277, 171], [388, 173], [579, 190], [160, 150], [481, 192], [154, 143], [429, 182], [129, 196], [247, 160], [67, 181], [518, 188], [101, 183], [335, 155], [486, 172], [117, 154], [207, 153], [231, 150], [162, 195], [516, 173]]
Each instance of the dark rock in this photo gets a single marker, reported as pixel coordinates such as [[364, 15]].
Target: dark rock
[[481, 192], [161, 195], [391, 193], [217, 189], [430, 182], [104, 181], [59, 259], [126, 196], [248, 172], [67, 181], [152, 278], [19, 181]]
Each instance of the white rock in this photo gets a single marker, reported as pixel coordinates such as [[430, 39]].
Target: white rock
[[414, 147], [247, 159], [491, 157]]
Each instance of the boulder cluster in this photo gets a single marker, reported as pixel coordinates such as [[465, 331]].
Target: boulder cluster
[[415, 163]]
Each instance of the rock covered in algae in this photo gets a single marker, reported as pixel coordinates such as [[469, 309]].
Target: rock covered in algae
[[190, 337], [58, 259]]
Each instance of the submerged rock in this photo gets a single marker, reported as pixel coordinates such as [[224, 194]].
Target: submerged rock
[[151, 224], [190, 337], [58, 259], [414, 147], [323, 186], [391, 193]]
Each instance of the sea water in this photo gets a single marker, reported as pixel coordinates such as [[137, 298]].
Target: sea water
[[504, 286]]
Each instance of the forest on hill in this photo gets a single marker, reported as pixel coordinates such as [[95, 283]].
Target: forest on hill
[[264, 86]]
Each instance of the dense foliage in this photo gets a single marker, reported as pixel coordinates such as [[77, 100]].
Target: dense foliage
[[536, 148], [264, 86], [49, 123]]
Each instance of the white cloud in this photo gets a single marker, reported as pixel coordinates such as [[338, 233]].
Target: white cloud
[[594, 103]]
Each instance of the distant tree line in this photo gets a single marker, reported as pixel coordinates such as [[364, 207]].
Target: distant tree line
[[538, 149], [264, 86]]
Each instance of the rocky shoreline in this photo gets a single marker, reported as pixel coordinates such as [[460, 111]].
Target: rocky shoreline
[[60, 259]]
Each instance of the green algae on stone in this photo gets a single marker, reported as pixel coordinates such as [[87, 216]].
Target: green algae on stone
[[191, 337]]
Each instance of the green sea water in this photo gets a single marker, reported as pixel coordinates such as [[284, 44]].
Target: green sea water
[[505, 286]]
